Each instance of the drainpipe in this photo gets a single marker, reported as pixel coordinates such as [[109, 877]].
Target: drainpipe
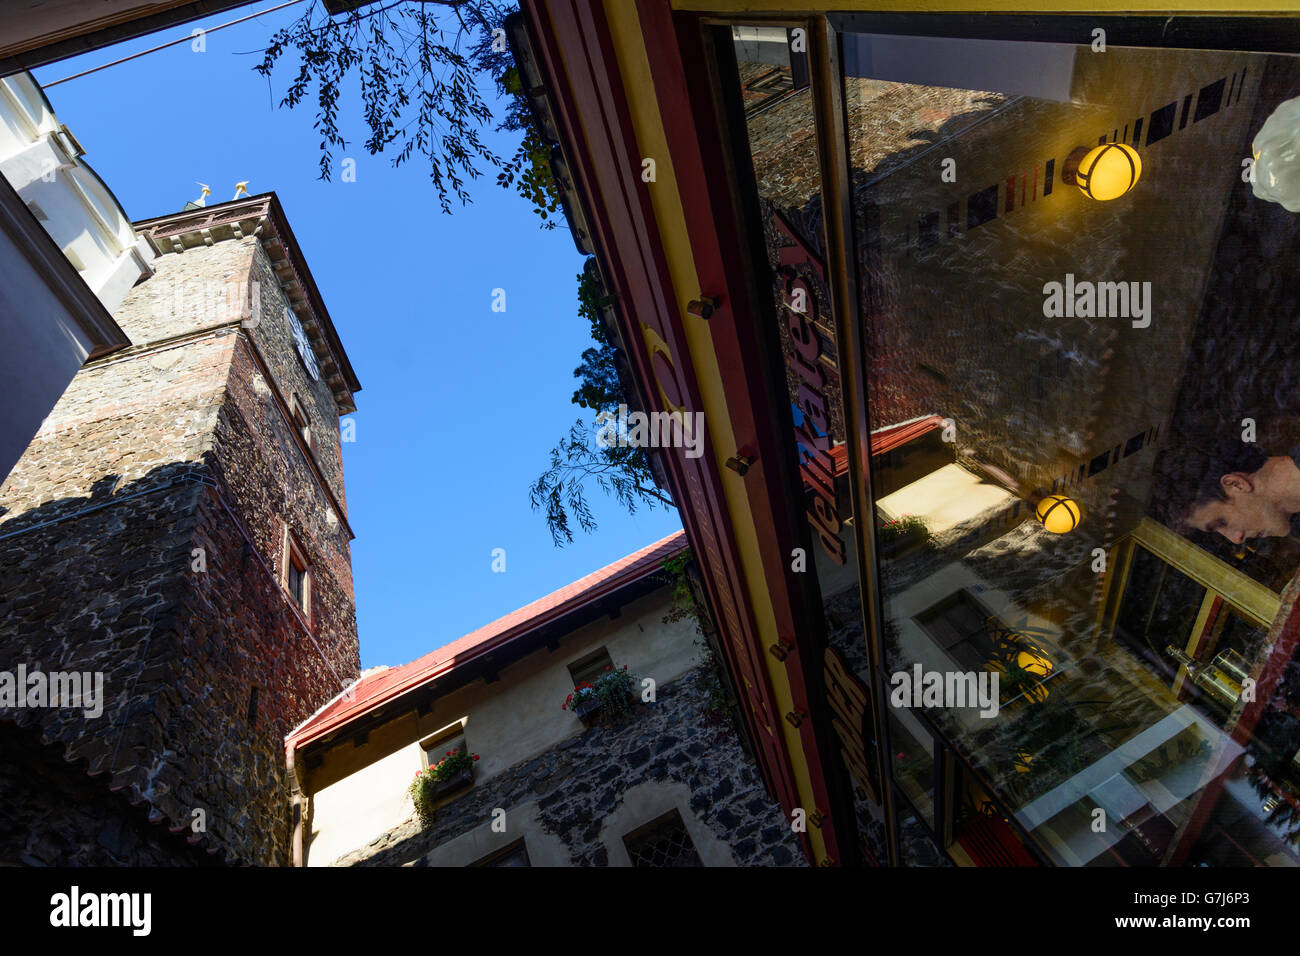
[[295, 801]]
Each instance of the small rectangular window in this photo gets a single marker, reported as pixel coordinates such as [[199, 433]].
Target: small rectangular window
[[442, 743], [296, 574], [300, 421], [662, 842], [590, 667], [516, 854]]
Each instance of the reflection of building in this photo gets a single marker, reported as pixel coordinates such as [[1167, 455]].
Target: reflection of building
[[876, 208], [666, 784], [177, 529], [69, 256]]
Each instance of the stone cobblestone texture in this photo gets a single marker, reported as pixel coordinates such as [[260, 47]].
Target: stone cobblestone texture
[[179, 443], [52, 814], [580, 782]]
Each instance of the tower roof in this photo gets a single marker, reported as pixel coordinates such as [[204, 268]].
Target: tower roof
[[263, 216]]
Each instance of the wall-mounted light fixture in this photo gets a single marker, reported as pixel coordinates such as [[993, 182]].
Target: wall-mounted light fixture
[[703, 307], [1059, 514], [739, 463], [1104, 172]]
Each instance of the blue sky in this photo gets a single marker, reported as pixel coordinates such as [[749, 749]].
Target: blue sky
[[459, 404]]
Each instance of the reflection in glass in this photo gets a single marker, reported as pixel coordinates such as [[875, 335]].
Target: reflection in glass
[[1095, 350], [913, 761]]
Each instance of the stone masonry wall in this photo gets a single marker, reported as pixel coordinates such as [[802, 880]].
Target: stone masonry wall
[[96, 590], [52, 814], [275, 340], [580, 782], [175, 445]]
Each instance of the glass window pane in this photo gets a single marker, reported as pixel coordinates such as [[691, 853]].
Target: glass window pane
[[913, 762], [775, 104], [1095, 389]]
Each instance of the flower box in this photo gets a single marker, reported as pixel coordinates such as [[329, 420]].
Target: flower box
[[593, 711], [603, 700], [435, 783], [458, 781], [588, 710]]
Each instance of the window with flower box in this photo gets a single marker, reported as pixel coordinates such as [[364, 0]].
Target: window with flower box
[[448, 767], [601, 692], [587, 669], [439, 745]]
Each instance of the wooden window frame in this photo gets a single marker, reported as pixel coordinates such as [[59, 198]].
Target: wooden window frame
[[301, 423], [439, 739], [1226, 588], [293, 556], [516, 846]]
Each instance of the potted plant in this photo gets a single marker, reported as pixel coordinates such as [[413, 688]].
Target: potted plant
[[605, 699], [453, 772]]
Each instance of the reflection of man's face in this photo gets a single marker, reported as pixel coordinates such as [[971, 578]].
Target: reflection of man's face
[[1249, 512]]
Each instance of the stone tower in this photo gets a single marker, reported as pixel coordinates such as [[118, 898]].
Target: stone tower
[[179, 526]]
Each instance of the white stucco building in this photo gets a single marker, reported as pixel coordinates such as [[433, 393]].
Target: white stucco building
[[68, 256]]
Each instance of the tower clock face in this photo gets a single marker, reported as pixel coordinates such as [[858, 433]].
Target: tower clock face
[[304, 346]]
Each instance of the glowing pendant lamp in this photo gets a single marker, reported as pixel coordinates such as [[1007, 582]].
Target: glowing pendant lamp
[[1105, 172]]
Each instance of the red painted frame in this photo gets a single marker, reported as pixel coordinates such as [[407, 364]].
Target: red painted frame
[[757, 402], [574, 48]]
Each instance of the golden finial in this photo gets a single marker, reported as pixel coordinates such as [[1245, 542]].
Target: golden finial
[[241, 189], [203, 197]]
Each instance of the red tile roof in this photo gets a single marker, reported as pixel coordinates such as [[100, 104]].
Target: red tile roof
[[885, 440], [381, 685]]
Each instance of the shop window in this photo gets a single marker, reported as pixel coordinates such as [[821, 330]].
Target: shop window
[[662, 842], [1116, 522], [960, 625], [913, 763]]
